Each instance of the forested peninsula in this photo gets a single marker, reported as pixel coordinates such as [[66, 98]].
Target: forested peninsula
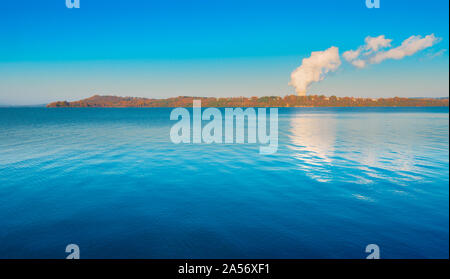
[[270, 101]]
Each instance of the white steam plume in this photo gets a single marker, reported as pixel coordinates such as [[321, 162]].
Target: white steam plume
[[408, 47], [376, 43], [371, 52], [373, 45], [314, 68], [352, 54]]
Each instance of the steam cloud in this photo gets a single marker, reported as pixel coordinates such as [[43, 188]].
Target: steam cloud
[[409, 47], [314, 69], [372, 53], [376, 43]]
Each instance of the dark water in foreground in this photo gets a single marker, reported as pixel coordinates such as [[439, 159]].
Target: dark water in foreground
[[111, 181]]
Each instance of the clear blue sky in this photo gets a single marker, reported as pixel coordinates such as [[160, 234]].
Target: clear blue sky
[[210, 48]]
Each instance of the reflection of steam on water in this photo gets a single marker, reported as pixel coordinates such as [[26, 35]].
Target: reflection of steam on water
[[315, 135], [313, 140], [359, 151]]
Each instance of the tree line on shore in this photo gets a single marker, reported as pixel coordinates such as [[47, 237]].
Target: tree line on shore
[[269, 101]]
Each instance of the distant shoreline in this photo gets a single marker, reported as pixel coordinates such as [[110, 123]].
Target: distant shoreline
[[310, 101]]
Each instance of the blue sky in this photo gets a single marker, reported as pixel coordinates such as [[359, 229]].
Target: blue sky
[[210, 48]]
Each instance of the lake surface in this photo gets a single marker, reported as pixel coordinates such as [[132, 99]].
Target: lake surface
[[112, 182]]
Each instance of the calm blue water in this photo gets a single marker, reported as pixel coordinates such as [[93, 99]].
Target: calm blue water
[[111, 181]]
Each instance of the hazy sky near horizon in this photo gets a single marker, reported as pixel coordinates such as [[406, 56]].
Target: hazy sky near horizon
[[169, 48]]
